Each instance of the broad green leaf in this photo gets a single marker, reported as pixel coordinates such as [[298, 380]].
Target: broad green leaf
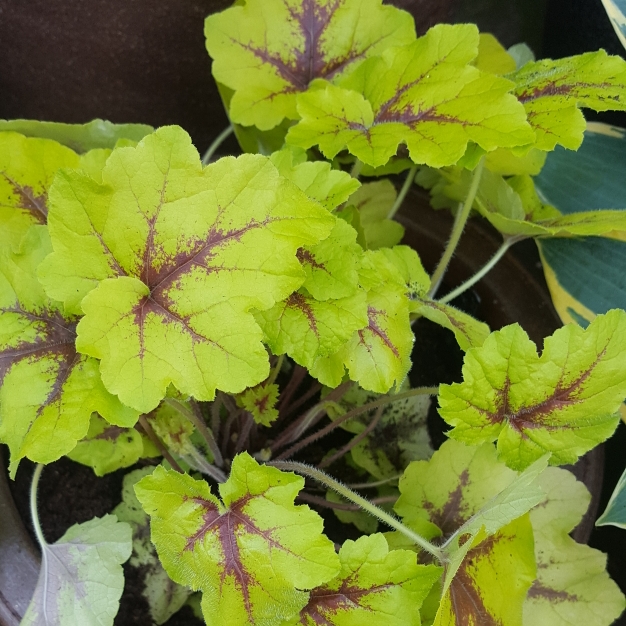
[[251, 553], [491, 584], [552, 91], [260, 402], [373, 202], [615, 512], [79, 137], [506, 163], [268, 51], [572, 585], [169, 299], [107, 448], [316, 178], [424, 94], [522, 54], [493, 57], [563, 402], [47, 390], [616, 10], [375, 586], [81, 578], [27, 167], [163, 595]]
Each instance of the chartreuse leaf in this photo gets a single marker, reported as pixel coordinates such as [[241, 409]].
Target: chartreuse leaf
[[27, 167], [81, 578], [252, 553], [260, 402], [616, 10], [563, 402], [374, 586], [169, 299], [107, 448], [615, 512], [47, 390], [506, 163], [163, 595], [173, 428], [552, 91], [424, 94], [374, 202], [493, 57], [572, 585], [81, 138], [268, 51]]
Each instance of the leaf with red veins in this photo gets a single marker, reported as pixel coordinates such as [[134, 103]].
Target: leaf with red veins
[[375, 586], [168, 259], [425, 94], [552, 91], [260, 402], [48, 391], [268, 51], [564, 402], [253, 553]]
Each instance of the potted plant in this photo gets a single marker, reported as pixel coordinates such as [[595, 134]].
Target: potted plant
[[156, 303]]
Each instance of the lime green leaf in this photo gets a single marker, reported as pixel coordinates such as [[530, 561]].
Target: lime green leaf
[[493, 57], [27, 167], [616, 10], [506, 163], [107, 448], [374, 201], [81, 578], [47, 390], [552, 91], [615, 512], [572, 585], [318, 181], [251, 553], [425, 94], [374, 586], [268, 51], [563, 402], [163, 595], [173, 427], [173, 296], [261, 401], [79, 137]]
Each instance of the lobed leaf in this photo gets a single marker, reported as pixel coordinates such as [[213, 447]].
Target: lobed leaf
[[169, 299], [563, 402], [251, 553], [269, 51], [260, 402], [424, 94]]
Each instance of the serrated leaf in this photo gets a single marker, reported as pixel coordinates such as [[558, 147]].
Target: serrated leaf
[[269, 51], [563, 402], [373, 202], [81, 578], [107, 448], [552, 91], [572, 585], [79, 137], [493, 57], [169, 299], [251, 553], [424, 94], [260, 402], [374, 586], [163, 595], [47, 390], [173, 427]]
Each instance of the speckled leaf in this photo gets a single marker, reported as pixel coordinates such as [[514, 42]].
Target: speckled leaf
[[47, 390], [251, 553], [425, 94], [163, 595], [552, 91], [260, 402], [374, 586], [572, 585], [107, 448], [563, 402], [81, 579], [374, 201], [169, 298], [268, 51]]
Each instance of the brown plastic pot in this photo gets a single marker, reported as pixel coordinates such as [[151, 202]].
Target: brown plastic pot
[[508, 294]]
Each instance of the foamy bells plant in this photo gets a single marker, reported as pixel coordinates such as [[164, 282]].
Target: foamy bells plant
[[227, 315]]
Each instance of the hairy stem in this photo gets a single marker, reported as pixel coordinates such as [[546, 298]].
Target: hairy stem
[[297, 376], [217, 143], [353, 413], [457, 230], [365, 504], [403, 192], [243, 438], [378, 483], [294, 406], [339, 505], [156, 440], [276, 370], [356, 168]]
